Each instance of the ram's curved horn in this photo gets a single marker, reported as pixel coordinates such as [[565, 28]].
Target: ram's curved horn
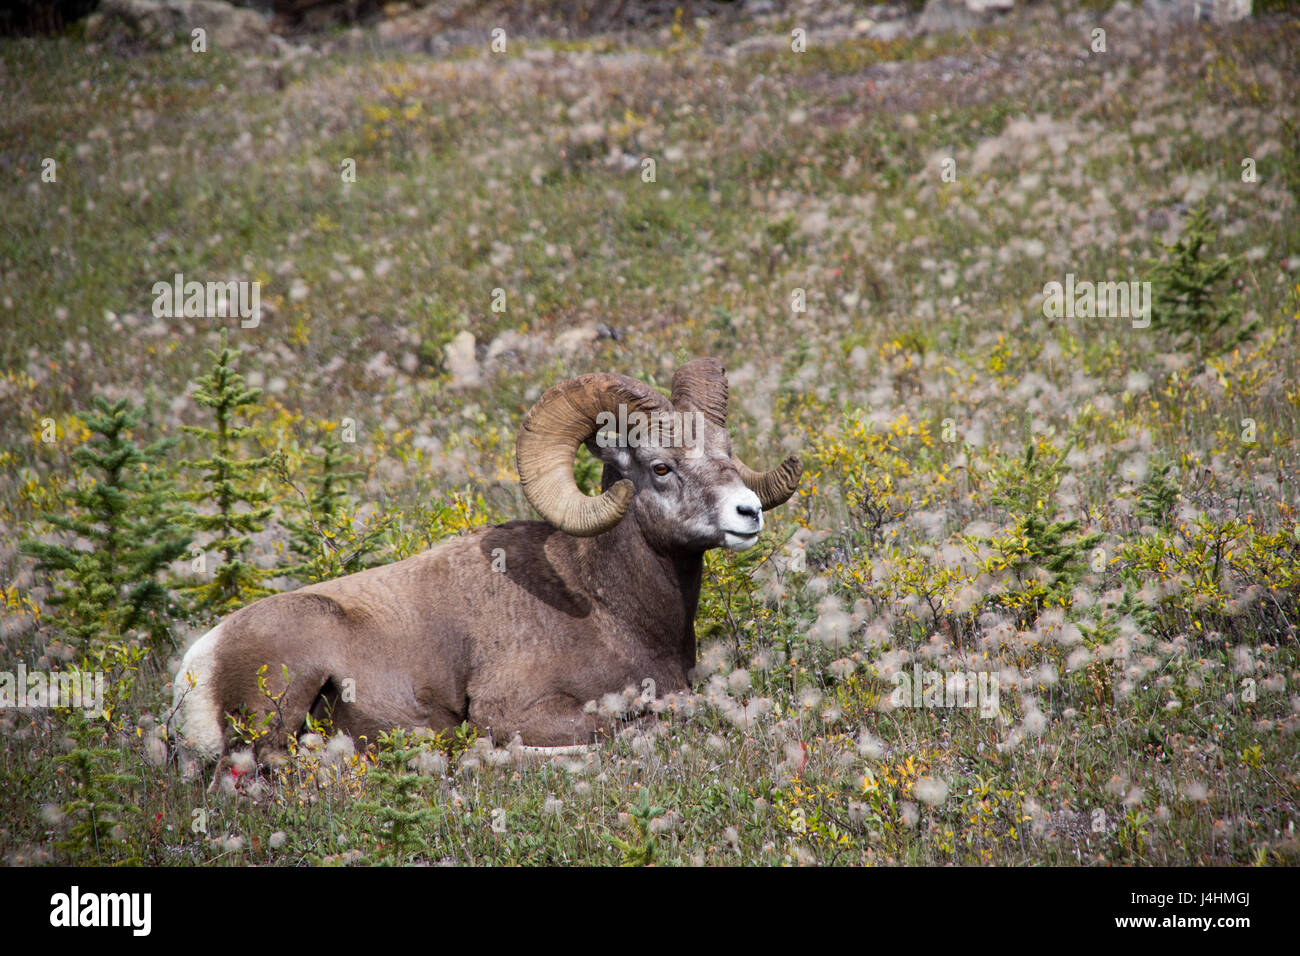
[[563, 418], [772, 487], [701, 386]]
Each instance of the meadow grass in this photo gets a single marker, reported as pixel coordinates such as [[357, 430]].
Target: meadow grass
[[985, 488]]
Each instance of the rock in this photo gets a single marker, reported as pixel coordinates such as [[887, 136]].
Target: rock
[[890, 30], [942, 16], [571, 341], [759, 44], [165, 22], [461, 363], [1204, 11], [510, 344]]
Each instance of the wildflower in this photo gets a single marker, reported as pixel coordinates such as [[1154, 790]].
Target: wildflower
[[738, 681], [340, 749], [429, 763], [667, 823], [242, 762], [1195, 792], [1035, 722], [833, 624], [744, 716], [931, 791], [965, 600], [869, 746], [796, 755], [909, 814], [278, 839], [802, 856], [843, 667], [613, 705]]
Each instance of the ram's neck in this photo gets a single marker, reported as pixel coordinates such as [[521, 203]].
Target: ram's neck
[[655, 592]]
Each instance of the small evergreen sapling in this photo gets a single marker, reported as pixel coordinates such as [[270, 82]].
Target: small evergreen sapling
[[1187, 301], [323, 541], [124, 508], [400, 810], [101, 812], [228, 483], [1047, 557]]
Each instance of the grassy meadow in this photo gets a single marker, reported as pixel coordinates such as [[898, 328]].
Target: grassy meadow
[[1091, 517]]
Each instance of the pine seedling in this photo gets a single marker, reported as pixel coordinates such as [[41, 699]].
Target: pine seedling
[[228, 484], [400, 811], [1188, 302], [122, 515], [323, 540]]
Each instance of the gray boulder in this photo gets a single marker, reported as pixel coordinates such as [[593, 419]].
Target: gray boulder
[[165, 22], [942, 16]]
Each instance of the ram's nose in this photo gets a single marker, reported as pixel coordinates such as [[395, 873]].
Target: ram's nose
[[751, 512]]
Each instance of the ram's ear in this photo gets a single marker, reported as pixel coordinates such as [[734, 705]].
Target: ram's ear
[[616, 456]]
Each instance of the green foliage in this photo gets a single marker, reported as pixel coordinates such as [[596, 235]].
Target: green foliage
[[1157, 496], [869, 464], [398, 805], [640, 850], [1263, 7], [323, 539], [424, 524], [1187, 302], [730, 605], [125, 508], [1047, 557], [587, 471], [227, 486], [100, 811]]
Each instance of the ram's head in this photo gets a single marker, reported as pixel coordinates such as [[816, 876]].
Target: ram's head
[[668, 461]]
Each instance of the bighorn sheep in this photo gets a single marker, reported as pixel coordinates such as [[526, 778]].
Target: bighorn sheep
[[514, 627]]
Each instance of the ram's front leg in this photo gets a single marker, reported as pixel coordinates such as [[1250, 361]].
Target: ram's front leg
[[273, 711]]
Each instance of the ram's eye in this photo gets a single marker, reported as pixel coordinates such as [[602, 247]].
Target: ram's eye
[[661, 469]]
